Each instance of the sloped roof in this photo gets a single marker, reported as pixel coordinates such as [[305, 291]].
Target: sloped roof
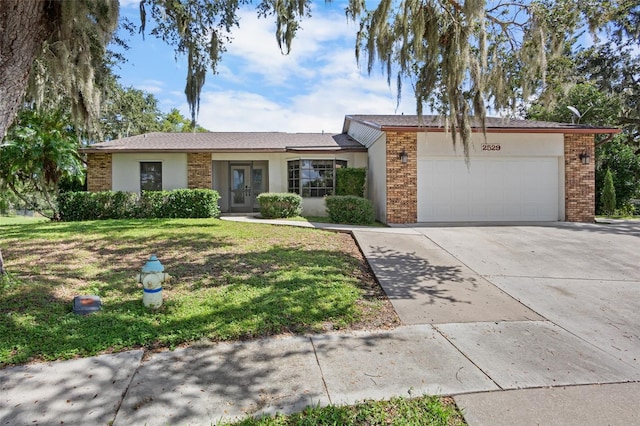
[[493, 124], [230, 142]]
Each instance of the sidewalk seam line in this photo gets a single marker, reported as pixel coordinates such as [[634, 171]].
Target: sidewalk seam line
[[126, 391], [435, 327], [324, 382]]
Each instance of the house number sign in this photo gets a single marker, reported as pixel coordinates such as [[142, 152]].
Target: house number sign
[[491, 147]]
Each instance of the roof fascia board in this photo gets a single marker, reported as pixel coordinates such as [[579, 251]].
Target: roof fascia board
[[502, 130], [176, 151], [224, 151]]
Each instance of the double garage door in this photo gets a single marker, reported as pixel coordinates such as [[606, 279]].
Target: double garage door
[[490, 189]]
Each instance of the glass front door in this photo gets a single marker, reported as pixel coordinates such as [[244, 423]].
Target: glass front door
[[241, 194], [247, 182], [257, 184]]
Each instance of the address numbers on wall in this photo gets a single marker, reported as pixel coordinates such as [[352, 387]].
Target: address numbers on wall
[[491, 147]]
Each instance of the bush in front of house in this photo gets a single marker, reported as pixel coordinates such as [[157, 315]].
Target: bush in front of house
[[152, 204], [274, 205], [192, 203], [76, 206], [350, 209], [179, 203], [351, 181]]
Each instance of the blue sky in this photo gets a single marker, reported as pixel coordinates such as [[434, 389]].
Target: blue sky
[[259, 89]]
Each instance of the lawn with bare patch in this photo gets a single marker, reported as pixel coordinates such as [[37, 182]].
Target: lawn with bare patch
[[230, 281]]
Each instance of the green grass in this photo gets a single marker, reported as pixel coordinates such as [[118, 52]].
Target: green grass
[[422, 411], [19, 220], [231, 281], [613, 216]]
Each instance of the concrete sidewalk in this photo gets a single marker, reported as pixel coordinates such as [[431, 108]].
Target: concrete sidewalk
[[506, 360], [204, 385]]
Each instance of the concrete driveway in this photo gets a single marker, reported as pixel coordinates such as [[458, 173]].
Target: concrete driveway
[[538, 306], [584, 278]]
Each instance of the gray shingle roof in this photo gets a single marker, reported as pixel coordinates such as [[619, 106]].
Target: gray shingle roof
[[229, 141], [384, 122]]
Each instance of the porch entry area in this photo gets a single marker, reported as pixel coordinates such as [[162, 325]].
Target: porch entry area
[[239, 184]]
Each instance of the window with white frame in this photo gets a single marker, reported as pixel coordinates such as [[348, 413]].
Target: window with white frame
[[151, 176], [313, 178]]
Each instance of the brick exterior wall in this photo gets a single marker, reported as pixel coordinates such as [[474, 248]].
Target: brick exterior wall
[[580, 179], [99, 168], [199, 170], [402, 179]]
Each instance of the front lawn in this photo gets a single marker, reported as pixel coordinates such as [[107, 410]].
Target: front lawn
[[19, 220], [423, 411], [230, 281]]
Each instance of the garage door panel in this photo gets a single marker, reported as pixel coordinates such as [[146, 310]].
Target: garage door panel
[[497, 189]]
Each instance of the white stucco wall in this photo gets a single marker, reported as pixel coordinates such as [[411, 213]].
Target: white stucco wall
[[377, 177], [126, 170]]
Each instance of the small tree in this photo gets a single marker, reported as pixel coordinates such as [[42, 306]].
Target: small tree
[[608, 194]]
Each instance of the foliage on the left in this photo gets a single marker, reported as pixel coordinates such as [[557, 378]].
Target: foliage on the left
[[39, 153]]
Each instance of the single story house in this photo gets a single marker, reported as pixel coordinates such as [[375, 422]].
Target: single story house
[[521, 171]]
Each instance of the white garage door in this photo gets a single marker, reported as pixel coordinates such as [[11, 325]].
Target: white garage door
[[491, 189]]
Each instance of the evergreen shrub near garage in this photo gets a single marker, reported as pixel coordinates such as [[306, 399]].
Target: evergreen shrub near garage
[[351, 181], [350, 209], [274, 205], [179, 203]]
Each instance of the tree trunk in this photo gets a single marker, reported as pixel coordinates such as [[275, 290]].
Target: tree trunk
[[24, 27]]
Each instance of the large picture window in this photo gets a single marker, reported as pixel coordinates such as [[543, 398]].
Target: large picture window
[[151, 176], [313, 178]]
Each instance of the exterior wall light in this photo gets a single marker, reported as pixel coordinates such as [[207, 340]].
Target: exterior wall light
[[584, 157], [404, 157]]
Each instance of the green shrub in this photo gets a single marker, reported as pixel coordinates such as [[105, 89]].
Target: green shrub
[[76, 206], [180, 203], [608, 194], [152, 204], [350, 209], [279, 205], [351, 181], [122, 205], [192, 203], [626, 210]]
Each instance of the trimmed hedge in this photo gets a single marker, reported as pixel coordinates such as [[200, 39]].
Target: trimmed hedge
[[275, 205], [179, 203], [351, 181], [350, 209]]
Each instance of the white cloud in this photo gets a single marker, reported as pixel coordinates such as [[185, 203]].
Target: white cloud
[[311, 90], [322, 70], [254, 46], [152, 86]]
